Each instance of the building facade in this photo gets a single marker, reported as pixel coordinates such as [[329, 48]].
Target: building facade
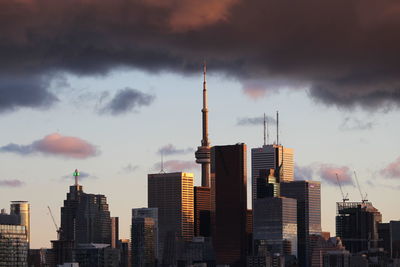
[[357, 225], [308, 196], [14, 246], [85, 218], [275, 224], [172, 194], [22, 210], [274, 157], [229, 186], [202, 211]]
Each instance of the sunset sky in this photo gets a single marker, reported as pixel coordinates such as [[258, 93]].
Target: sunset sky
[[105, 86]]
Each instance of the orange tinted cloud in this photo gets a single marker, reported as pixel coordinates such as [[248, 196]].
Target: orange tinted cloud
[[392, 170], [55, 144]]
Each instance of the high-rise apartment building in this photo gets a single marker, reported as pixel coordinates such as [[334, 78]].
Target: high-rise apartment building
[[274, 157], [22, 210], [229, 183], [308, 196], [85, 218], [172, 194], [275, 224], [14, 246], [357, 225]]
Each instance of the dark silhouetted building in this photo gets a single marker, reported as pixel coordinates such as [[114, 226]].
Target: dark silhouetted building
[[144, 237], [275, 224], [308, 196], [96, 255], [357, 225], [389, 238], [85, 218], [229, 186], [124, 246], [172, 194], [202, 211]]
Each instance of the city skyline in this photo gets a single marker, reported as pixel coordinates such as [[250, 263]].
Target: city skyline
[[63, 106]]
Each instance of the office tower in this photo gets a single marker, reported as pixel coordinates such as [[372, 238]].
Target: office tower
[[124, 246], [337, 258], [308, 196], [13, 245], [96, 255], [85, 218], [228, 167], [22, 210], [144, 237], [114, 231], [203, 152], [202, 211], [267, 185], [172, 194], [275, 224], [389, 237], [357, 225], [274, 157]]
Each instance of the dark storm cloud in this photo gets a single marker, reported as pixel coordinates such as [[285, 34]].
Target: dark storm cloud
[[170, 149], [344, 51], [26, 91], [250, 121], [126, 100]]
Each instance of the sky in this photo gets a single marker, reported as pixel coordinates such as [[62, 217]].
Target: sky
[[106, 86]]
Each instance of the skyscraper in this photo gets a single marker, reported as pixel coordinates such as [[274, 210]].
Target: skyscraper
[[308, 196], [357, 225], [85, 218], [22, 210], [14, 244], [172, 194], [203, 152], [144, 248], [275, 224], [274, 157], [228, 166], [114, 231]]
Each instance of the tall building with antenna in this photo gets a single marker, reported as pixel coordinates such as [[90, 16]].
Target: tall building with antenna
[[203, 152], [271, 156]]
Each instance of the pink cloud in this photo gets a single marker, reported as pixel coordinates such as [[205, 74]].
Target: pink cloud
[[11, 183], [328, 173], [392, 170], [177, 165], [55, 144]]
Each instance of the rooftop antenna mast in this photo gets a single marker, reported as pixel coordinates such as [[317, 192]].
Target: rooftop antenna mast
[[277, 127], [363, 197], [265, 129], [344, 197], [162, 162]]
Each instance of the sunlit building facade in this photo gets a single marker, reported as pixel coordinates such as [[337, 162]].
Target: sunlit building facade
[[22, 210], [172, 194]]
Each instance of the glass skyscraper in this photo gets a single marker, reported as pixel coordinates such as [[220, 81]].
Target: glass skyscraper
[[308, 196]]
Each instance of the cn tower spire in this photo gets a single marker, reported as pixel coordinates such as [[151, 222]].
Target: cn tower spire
[[203, 152]]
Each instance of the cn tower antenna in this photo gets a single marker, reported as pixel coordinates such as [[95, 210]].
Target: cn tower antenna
[[277, 127]]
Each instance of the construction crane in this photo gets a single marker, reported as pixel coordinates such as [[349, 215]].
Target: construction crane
[[55, 224], [344, 197], [363, 197]]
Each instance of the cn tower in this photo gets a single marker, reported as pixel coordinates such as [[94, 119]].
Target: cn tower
[[203, 152]]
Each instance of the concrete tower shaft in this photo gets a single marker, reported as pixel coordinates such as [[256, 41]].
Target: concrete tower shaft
[[203, 152]]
